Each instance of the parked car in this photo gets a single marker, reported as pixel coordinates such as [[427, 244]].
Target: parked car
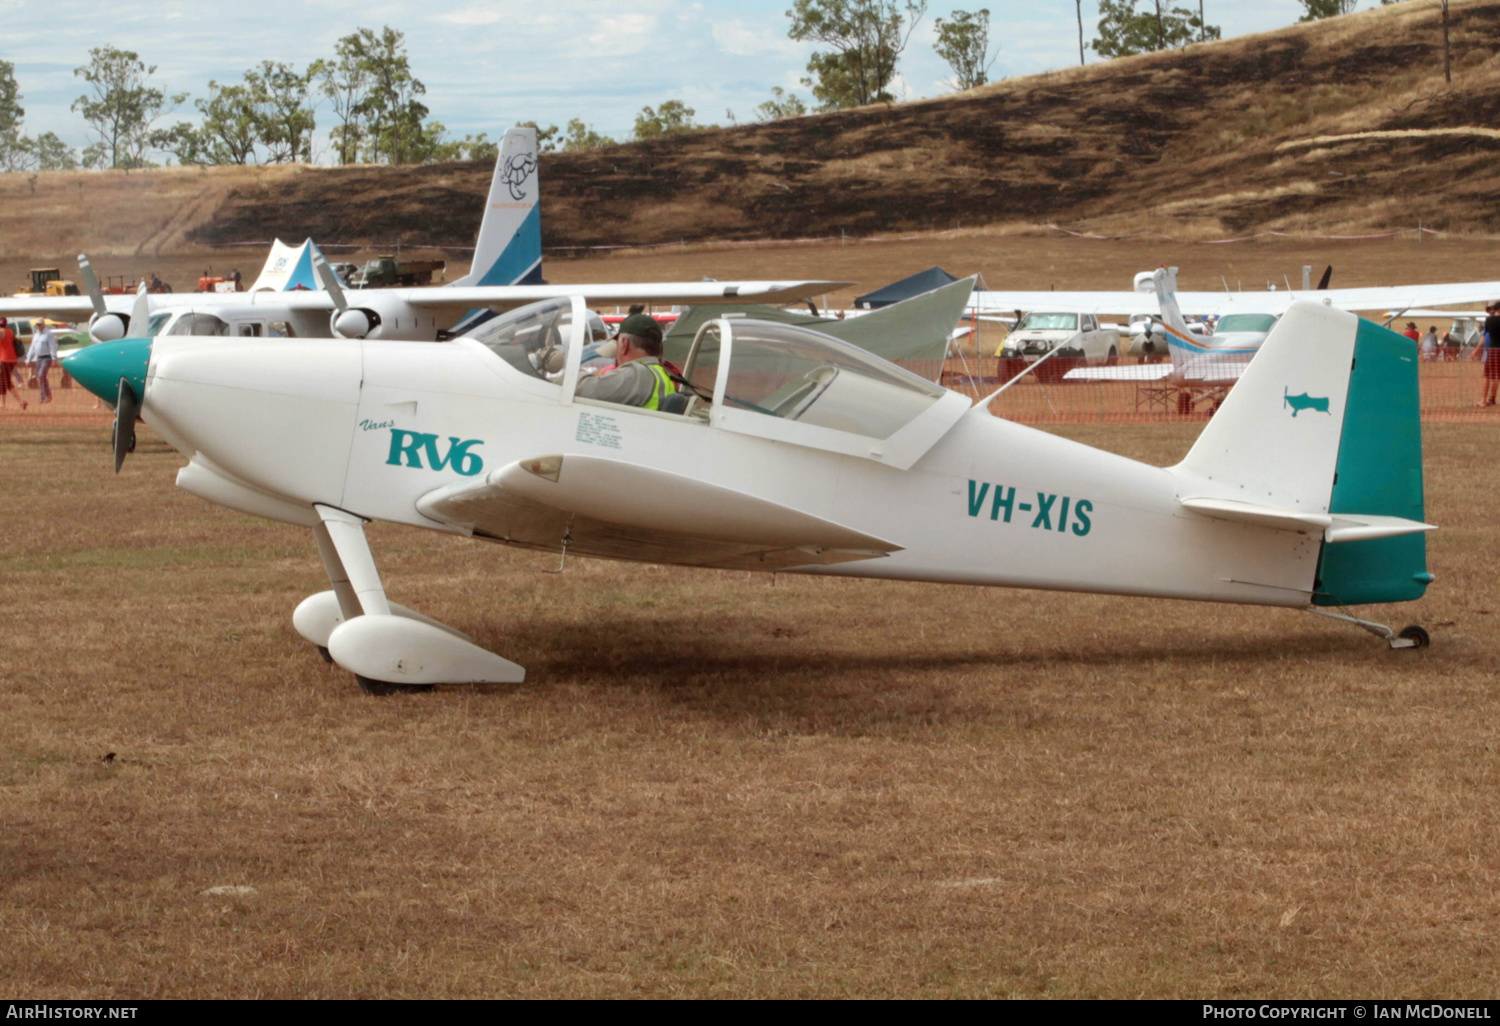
[[1077, 339]]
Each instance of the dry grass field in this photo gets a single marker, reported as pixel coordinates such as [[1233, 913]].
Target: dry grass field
[[717, 784]]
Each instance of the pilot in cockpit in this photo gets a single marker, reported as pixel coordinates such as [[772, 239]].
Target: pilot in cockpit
[[639, 379]]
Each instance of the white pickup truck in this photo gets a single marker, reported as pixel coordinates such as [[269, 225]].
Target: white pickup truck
[[1078, 339]]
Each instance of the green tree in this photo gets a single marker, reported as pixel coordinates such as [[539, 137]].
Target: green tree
[[1123, 30], [1316, 10], [122, 105], [782, 104], [345, 81], [673, 117], [546, 138], [376, 99], [283, 113], [49, 153], [393, 116], [13, 155], [964, 42], [442, 150], [227, 133], [865, 40], [583, 137]]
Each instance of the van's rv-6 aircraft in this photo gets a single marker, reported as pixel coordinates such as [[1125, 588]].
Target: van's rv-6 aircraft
[[506, 273], [791, 452]]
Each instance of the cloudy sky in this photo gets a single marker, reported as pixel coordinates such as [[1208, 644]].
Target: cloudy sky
[[490, 63]]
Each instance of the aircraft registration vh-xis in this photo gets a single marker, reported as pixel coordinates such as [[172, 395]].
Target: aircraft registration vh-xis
[[787, 450]]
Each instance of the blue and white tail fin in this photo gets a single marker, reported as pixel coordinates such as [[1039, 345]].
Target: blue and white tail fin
[[1322, 436], [509, 248], [1182, 341]]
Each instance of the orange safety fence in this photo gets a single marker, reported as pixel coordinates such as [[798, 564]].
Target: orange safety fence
[[1450, 390], [71, 404]]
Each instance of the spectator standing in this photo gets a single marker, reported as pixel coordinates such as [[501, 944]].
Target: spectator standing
[[1428, 347], [1491, 354], [8, 360], [1411, 331], [43, 354]]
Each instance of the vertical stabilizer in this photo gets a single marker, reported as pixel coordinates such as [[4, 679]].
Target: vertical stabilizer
[[1324, 427], [1275, 440], [509, 248]]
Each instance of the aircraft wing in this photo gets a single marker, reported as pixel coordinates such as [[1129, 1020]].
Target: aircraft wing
[[460, 299], [616, 510], [71, 309], [1123, 303]]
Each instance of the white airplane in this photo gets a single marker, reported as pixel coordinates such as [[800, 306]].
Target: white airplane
[[791, 451], [506, 274], [1142, 299], [1216, 358]]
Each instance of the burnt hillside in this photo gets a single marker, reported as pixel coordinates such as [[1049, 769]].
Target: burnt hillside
[[1224, 137]]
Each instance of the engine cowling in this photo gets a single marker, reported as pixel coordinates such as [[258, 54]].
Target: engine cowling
[[109, 327], [356, 322]]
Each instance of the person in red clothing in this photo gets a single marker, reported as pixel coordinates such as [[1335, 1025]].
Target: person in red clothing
[[1411, 331], [8, 360]]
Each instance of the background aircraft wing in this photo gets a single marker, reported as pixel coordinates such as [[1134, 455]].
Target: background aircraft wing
[[72, 309], [617, 510], [1405, 297], [1122, 303], [460, 299], [1198, 304]]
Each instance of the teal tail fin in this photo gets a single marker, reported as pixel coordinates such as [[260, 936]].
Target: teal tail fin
[[1379, 472]]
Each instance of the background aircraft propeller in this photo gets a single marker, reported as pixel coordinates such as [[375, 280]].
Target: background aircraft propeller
[[1327, 277], [347, 321], [91, 282], [105, 326], [127, 412]]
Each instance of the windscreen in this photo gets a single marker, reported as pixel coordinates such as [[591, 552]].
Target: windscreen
[[1049, 322], [1246, 322], [532, 339], [798, 374]]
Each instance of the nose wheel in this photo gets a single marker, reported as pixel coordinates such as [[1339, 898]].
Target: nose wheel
[[383, 688]]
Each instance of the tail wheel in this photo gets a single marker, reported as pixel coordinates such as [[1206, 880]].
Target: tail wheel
[[1417, 634]]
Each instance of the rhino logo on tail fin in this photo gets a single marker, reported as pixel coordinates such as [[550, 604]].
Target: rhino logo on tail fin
[[1298, 403]]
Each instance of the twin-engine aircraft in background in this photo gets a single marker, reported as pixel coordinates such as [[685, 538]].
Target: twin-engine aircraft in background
[[791, 451], [506, 274]]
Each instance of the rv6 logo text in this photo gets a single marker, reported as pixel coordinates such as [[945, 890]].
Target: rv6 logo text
[[412, 445]]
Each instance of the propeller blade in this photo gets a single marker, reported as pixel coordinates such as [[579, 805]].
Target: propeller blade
[[127, 412], [1327, 277], [329, 281], [140, 313], [91, 282]]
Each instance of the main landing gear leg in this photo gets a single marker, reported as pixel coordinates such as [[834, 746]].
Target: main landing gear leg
[[389, 648], [1409, 637]]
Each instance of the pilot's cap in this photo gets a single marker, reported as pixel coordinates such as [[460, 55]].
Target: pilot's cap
[[641, 326]]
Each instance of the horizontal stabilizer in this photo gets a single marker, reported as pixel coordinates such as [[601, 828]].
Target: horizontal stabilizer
[[1351, 527], [1260, 516], [1334, 527], [616, 510], [1129, 372]]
